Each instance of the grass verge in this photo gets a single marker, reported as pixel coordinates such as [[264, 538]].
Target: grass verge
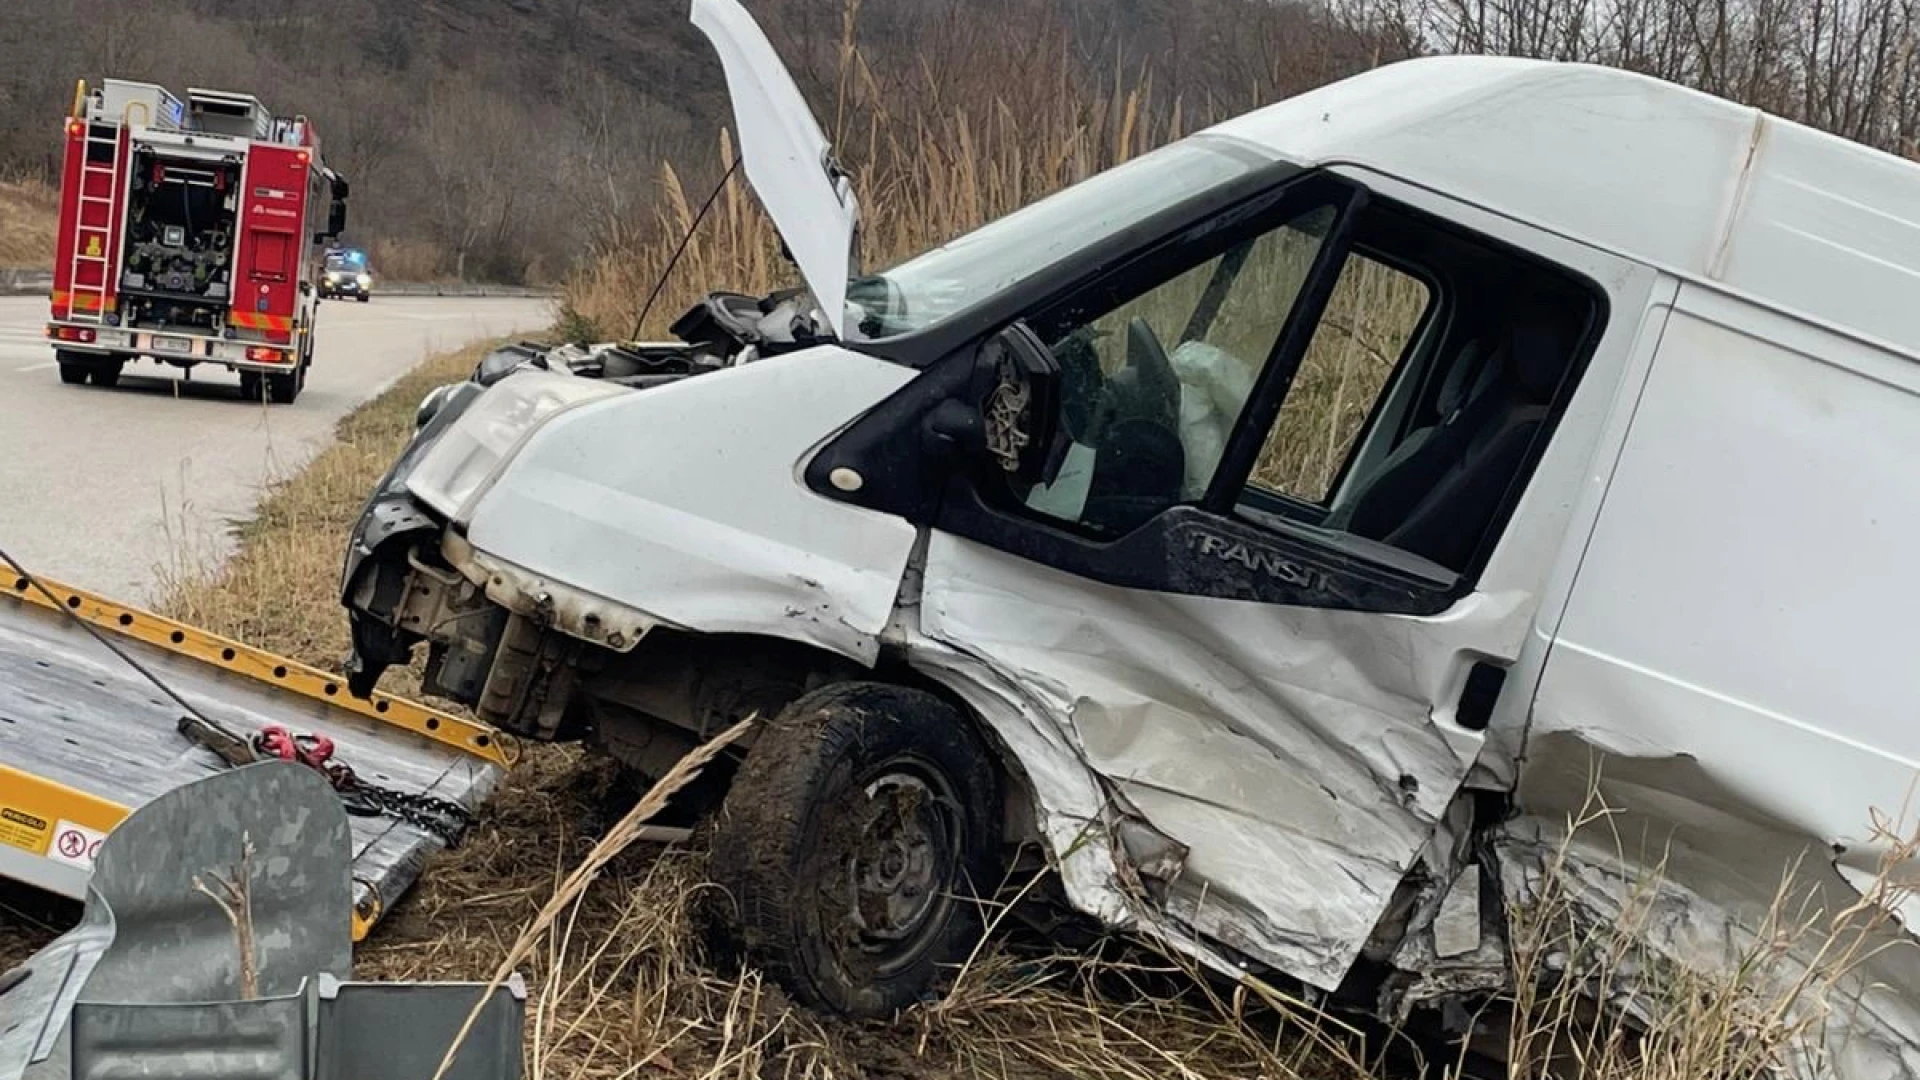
[[29, 218]]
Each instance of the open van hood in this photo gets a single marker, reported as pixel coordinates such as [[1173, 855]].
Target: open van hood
[[787, 158]]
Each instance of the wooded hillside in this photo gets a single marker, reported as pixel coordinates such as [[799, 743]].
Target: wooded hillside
[[498, 139], [518, 139]]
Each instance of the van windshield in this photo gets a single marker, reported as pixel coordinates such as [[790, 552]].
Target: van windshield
[[935, 284]]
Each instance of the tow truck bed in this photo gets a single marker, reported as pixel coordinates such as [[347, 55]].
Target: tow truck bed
[[85, 738]]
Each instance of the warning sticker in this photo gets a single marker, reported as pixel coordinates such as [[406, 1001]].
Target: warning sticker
[[75, 845], [23, 830]]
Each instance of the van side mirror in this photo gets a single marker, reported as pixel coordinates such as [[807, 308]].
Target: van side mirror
[[1007, 418]]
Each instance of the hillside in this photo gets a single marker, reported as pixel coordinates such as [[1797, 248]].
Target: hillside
[[479, 134], [524, 139], [499, 139]]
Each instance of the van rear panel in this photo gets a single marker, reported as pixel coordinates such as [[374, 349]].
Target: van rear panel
[[1747, 604]]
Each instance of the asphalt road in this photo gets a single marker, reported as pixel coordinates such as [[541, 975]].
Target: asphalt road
[[105, 488]]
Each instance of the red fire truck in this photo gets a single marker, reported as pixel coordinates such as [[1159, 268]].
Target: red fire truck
[[191, 233]]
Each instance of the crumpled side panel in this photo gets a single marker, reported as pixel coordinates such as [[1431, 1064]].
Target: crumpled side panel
[[1710, 913], [1289, 750]]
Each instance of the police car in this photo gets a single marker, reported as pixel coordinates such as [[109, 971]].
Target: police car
[[346, 274]]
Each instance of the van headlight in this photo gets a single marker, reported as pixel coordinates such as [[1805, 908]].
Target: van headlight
[[431, 404], [457, 468]]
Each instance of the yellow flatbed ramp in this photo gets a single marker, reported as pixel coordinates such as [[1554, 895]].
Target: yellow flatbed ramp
[[85, 738]]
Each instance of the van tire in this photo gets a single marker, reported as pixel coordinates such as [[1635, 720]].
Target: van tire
[[799, 828]]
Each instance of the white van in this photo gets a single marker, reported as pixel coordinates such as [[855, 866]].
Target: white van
[[1287, 531]]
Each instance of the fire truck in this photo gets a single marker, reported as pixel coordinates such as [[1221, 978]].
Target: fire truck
[[191, 233]]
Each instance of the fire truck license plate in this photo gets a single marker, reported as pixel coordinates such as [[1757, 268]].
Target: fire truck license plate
[[179, 345]]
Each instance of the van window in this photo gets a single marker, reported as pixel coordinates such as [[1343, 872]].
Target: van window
[[1367, 328], [1411, 419], [1179, 359]]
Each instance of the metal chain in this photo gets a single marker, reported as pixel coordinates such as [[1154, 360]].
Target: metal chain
[[441, 817]]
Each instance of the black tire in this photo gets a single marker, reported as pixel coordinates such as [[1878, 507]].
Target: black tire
[[799, 829], [252, 387], [283, 389], [73, 374], [107, 374], [365, 297]]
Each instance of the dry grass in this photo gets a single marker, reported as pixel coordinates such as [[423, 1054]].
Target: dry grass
[[934, 154], [29, 218], [409, 260]]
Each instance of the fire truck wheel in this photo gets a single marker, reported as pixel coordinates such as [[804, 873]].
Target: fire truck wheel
[[282, 389], [250, 385], [72, 374], [107, 375]]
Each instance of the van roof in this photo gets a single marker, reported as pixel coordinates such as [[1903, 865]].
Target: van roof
[[1805, 221]]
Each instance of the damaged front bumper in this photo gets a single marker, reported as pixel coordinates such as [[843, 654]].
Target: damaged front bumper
[[374, 577], [409, 576]]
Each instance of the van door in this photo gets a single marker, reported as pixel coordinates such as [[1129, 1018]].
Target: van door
[[1258, 602]]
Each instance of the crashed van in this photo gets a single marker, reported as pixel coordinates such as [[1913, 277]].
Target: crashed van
[[1288, 532]]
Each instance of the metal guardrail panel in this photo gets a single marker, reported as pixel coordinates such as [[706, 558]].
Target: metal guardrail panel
[[173, 943], [262, 1039], [400, 1031], [148, 986], [25, 282]]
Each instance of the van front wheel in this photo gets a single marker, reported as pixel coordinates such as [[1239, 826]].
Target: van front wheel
[[856, 843]]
